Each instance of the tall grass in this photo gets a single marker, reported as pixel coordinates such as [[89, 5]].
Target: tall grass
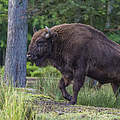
[[13, 106], [104, 97], [48, 84]]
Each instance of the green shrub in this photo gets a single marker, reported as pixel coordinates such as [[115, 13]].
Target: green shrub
[[31, 68], [34, 71], [45, 72]]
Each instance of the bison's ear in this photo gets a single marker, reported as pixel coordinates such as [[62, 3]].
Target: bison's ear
[[34, 29], [50, 33]]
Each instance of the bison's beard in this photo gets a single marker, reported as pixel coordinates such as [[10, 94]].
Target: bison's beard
[[42, 61]]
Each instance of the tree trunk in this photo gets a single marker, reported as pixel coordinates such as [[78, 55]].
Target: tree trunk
[[0, 55], [15, 61], [109, 11]]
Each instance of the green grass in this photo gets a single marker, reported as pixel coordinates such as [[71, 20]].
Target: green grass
[[13, 105], [78, 116], [103, 97], [48, 84]]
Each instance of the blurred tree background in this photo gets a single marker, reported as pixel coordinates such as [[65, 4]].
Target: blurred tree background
[[102, 14]]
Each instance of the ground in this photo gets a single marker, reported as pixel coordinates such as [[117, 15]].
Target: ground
[[47, 108]]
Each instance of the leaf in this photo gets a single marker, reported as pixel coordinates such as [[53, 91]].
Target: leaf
[[118, 13]]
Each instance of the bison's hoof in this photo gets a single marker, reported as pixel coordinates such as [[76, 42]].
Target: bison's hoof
[[69, 98], [71, 103]]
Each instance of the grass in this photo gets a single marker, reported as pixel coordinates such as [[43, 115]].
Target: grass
[[49, 109], [77, 116], [47, 86], [103, 97], [13, 105], [99, 98]]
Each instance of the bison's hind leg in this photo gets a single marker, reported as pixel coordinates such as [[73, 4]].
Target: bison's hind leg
[[116, 90]]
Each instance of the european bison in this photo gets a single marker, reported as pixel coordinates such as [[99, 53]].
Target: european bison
[[77, 50]]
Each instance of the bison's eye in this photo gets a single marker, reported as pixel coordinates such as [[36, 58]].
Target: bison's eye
[[40, 43]]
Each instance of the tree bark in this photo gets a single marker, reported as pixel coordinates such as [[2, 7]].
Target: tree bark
[[15, 61]]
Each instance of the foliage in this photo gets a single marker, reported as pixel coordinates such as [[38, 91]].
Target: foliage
[[31, 68], [114, 36], [3, 23], [67, 11]]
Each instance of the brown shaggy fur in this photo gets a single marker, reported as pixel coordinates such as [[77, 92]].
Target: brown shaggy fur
[[78, 50]]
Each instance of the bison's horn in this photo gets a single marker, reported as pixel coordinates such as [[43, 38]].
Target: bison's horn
[[49, 32], [48, 29]]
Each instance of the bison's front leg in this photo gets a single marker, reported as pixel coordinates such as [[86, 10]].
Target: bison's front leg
[[78, 82], [62, 85]]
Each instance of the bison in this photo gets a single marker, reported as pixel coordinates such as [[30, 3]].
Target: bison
[[77, 50]]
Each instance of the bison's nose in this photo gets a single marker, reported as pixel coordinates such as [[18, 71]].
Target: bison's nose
[[31, 57], [28, 56]]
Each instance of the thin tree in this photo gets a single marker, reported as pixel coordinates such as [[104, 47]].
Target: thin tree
[[109, 11], [15, 62], [0, 55]]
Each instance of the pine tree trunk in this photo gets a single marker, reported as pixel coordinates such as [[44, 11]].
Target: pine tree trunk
[[15, 62]]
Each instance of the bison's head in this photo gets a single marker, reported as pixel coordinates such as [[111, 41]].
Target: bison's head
[[40, 47]]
